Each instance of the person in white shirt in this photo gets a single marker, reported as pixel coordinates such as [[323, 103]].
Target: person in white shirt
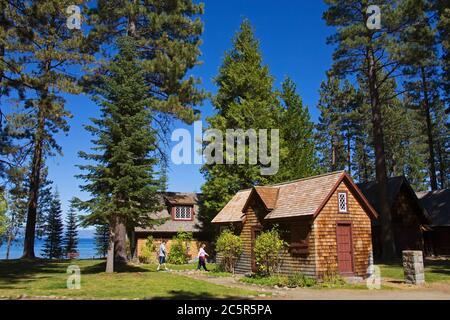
[[162, 255], [202, 257]]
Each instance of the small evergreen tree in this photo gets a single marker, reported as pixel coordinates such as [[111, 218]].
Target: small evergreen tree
[[101, 237], [53, 244], [71, 234], [44, 202], [17, 208]]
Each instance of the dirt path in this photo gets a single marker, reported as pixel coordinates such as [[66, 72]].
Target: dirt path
[[435, 291]]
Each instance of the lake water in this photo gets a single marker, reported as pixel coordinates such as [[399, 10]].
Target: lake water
[[86, 248]]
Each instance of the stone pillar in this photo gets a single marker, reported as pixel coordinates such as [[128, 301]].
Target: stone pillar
[[413, 267]]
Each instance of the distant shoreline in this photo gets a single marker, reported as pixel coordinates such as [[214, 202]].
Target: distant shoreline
[[86, 247]]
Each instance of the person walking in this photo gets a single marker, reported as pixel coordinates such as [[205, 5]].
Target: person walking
[[202, 257], [162, 255]]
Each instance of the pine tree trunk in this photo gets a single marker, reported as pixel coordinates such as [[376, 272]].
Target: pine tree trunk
[[36, 164], [333, 155], [110, 254], [349, 157], [8, 245], [387, 234], [431, 160], [2, 54], [442, 168], [366, 170], [120, 241]]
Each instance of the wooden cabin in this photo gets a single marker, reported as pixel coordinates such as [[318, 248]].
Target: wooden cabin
[[325, 219], [408, 216], [437, 203], [179, 213]]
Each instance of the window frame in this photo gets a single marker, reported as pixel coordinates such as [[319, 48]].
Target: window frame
[[174, 213], [345, 193]]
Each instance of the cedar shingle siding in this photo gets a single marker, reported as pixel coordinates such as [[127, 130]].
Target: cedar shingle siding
[[308, 223]]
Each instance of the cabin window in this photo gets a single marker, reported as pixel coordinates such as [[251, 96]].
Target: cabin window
[[342, 202], [182, 213]]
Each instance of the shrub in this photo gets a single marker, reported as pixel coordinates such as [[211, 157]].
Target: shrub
[[300, 280], [280, 281], [331, 278], [268, 250], [229, 246], [179, 248], [148, 252]]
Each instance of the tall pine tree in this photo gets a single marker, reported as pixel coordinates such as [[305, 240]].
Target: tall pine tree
[[372, 55], [422, 70], [40, 50], [244, 100], [167, 39], [335, 130], [296, 134], [71, 231], [121, 180], [101, 237], [53, 244]]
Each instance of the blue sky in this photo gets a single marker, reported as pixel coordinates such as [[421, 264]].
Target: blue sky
[[293, 43]]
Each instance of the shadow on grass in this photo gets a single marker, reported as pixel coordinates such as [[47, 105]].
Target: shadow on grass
[[118, 267], [441, 266], [188, 295], [13, 272]]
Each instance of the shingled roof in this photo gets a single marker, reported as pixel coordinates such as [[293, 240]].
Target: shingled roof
[[172, 226], [371, 192], [437, 203], [395, 184], [304, 197], [232, 212]]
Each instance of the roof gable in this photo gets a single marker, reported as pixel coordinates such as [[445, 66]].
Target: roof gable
[[395, 186], [172, 199], [232, 212], [437, 204], [267, 195], [304, 197]]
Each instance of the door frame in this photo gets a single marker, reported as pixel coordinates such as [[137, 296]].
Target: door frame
[[253, 230], [350, 224]]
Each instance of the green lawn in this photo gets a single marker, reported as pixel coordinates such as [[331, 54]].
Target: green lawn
[[435, 270], [44, 278]]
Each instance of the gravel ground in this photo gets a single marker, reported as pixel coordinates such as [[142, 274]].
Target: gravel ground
[[398, 291]]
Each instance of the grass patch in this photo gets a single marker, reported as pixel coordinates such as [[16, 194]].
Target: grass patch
[[48, 278], [213, 269], [435, 270]]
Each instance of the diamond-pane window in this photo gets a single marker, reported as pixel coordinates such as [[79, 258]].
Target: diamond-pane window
[[342, 202], [183, 213]]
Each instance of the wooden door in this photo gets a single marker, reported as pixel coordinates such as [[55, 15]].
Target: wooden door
[[255, 232], [344, 248]]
